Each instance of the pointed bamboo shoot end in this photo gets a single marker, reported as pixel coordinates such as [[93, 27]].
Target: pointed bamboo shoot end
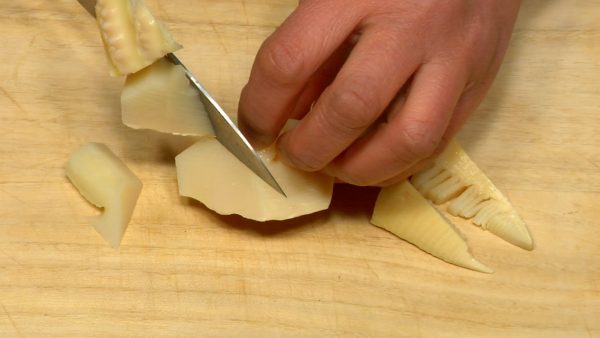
[[402, 210], [481, 202]]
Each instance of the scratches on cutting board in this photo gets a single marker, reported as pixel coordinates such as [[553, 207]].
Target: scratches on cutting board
[[245, 12], [213, 25], [13, 100], [11, 258], [11, 320], [221, 42], [13, 196]]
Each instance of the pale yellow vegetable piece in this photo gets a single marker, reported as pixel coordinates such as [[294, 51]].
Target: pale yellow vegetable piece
[[447, 190], [132, 37], [160, 97], [472, 195], [104, 180], [401, 210], [468, 203], [209, 173], [420, 180]]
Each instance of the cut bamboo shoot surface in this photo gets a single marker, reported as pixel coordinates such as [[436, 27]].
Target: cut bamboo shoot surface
[[132, 37], [209, 173], [182, 271], [160, 97], [401, 210], [455, 178], [105, 181]]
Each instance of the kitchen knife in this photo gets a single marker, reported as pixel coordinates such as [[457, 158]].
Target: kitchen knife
[[225, 130]]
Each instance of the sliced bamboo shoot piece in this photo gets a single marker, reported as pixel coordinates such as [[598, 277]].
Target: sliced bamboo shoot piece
[[480, 199], [104, 180], [160, 97], [401, 210], [132, 37], [209, 173]]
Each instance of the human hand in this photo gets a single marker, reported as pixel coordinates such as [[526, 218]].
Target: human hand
[[380, 86]]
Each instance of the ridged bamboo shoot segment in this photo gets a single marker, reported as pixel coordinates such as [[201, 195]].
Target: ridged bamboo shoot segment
[[401, 210], [104, 180], [132, 37], [160, 97], [456, 178], [209, 173], [468, 203]]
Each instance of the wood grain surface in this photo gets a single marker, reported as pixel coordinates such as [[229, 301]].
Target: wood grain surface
[[183, 271]]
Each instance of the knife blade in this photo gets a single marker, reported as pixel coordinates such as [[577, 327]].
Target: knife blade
[[227, 133]]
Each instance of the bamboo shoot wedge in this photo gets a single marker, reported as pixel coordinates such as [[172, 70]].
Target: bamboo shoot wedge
[[132, 37], [160, 97], [456, 178], [209, 173], [401, 210], [104, 180]]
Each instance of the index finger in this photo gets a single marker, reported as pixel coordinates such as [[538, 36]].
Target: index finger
[[285, 63]]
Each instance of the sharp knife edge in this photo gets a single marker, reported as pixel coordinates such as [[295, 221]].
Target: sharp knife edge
[[226, 131]]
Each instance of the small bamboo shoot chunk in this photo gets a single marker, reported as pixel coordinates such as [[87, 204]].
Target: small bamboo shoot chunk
[[104, 180], [160, 97]]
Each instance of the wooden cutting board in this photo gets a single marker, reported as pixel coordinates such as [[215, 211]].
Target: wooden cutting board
[[185, 271]]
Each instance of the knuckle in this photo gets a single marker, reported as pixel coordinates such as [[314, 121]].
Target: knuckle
[[302, 159], [281, 61], [353, 109], [418, 139]]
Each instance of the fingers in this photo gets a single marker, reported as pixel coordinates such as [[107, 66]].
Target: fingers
[[320, 80], [467, 103], [285, 63], [419, 166], [376, 69], [413, 133], [471, 98]]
